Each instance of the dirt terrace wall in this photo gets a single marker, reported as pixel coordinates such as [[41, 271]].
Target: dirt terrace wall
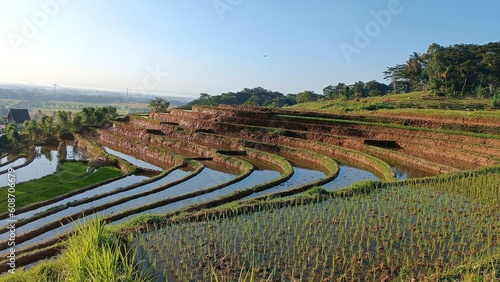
[[469, 143], [444, 155], [358, 159], [165, 117], [441, 121], [355, 158], [351, 157], [155, 155], [272, 161], [476, 124], [345, 129], [144, 122], [438, 146], [298, 156], [209, 140], [410, 160], [83, 143], [175, 146]]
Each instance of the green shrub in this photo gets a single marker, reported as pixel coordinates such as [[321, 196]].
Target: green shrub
[[496, 101]]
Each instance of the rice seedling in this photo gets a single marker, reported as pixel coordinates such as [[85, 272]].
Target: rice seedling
[[403, 231]]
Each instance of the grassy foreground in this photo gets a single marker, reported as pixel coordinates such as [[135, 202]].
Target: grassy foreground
[[442, 228], [70, 176], [92, 254]]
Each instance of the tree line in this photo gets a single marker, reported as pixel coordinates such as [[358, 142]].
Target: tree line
[[259, 96], [460, 69], [62, 124]]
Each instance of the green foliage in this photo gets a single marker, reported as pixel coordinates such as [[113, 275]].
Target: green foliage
[[10, 139], [307, 96], [159, 105], [253, 97], [340, 91], [455, 70], [496, 101], [65, 122], [91, 116], [12, 134]]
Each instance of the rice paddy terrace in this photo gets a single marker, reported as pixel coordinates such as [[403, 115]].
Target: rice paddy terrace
[[251, 161]]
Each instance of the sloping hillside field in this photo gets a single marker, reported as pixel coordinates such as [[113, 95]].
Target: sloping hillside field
[[236, 190]]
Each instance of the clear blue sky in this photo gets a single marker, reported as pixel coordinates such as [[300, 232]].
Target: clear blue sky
[[216, 46]]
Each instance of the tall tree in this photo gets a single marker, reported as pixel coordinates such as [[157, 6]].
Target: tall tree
[[159, 105], [395, 74], [435, 66], [413, 71], [307, 96], [376, 88]]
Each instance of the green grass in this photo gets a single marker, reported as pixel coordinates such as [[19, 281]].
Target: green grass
[[70, 176], [413, 100], [448, 113], [93, 253]]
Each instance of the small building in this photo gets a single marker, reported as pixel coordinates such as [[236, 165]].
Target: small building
[[18, 116]]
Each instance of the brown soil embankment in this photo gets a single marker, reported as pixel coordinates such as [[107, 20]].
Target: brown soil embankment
[[460, 150], [409, 160], [160, 156], [463, 122], [179, 146], [102, 156], [364, 131], [234, 141]]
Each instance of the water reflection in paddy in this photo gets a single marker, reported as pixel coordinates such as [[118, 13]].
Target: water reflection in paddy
[[205, 179], [349, 175], [131, 159], [257, 177], [15, 163], [41, 166], [405, 172], [175, 175], [300, 177]]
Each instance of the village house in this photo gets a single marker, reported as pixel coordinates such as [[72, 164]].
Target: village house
[[17, 116]]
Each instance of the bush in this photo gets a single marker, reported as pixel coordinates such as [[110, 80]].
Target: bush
[[496, 101]]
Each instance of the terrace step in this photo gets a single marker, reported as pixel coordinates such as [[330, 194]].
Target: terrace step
[[232, 152], [169, 123], [387, 144], [155, 131], [200, 159]]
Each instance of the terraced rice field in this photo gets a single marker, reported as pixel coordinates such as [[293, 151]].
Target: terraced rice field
[[240, 157]]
